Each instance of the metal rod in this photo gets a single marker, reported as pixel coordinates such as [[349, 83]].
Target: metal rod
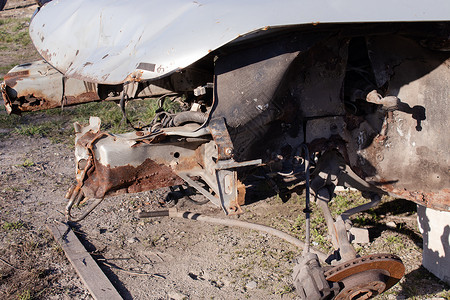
[[153, 214], [307, 210], [71, 218]]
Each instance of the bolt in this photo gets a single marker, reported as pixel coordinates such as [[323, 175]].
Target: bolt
[[228, 151]]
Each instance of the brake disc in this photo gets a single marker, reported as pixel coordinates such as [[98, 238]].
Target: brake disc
[[367, 276]]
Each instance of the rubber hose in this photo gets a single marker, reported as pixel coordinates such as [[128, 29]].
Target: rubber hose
[[189, 116]]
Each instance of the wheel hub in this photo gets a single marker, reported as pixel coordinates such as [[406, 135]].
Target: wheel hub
[[367, 276]]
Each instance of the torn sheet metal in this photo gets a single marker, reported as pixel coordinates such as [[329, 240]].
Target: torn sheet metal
[[111, 41], [38, 86]]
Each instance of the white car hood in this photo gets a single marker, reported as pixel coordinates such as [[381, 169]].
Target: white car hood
[[112, 41]]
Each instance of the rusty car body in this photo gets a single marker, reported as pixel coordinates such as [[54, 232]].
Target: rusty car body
[[358, 90]]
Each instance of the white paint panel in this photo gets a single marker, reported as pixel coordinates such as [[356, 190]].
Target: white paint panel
[[104, 41]]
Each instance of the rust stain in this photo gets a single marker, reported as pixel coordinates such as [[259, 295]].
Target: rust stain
[[135, 76], [35, 100], [98, 180], [191, 162], [6, 100], [439, 200], [46, 55], [235, 205], [104, 180], [81, 98], [86, 139], [12, 77]]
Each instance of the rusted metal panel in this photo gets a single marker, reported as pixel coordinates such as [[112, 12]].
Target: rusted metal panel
[[110, 164], [439, 200], [38, 86], [102, 48], [403, 148], [32, 86], [105, 180]]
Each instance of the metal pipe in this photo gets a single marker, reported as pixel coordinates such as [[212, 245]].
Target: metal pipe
[[153, 214], [376, 199], [322, 198], [174, 213]]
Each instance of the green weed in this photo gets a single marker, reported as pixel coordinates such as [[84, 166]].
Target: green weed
[[139, 112], [393, 239], [15, 31], [27, 163], [25, 295], [42, 130], [395, 243], [5, 69], [5, 21], [8, 121], [285, 289], [13, 225]]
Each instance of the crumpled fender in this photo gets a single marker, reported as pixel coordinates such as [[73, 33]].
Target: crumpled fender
[[112, 41]]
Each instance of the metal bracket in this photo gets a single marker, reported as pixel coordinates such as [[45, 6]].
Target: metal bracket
[[222, 138], [229, 190]]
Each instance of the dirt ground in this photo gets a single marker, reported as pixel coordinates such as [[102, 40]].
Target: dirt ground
[[161, 258]]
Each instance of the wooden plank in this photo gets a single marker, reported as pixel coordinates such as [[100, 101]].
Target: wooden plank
[[90, 273]]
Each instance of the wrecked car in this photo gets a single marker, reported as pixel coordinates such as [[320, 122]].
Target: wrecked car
[[327, 94]]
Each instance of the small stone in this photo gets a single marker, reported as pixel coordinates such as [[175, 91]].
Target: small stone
[[226, 282], [133, 240], [391, 224], [251, 285], [176, 296], [436, 298]]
